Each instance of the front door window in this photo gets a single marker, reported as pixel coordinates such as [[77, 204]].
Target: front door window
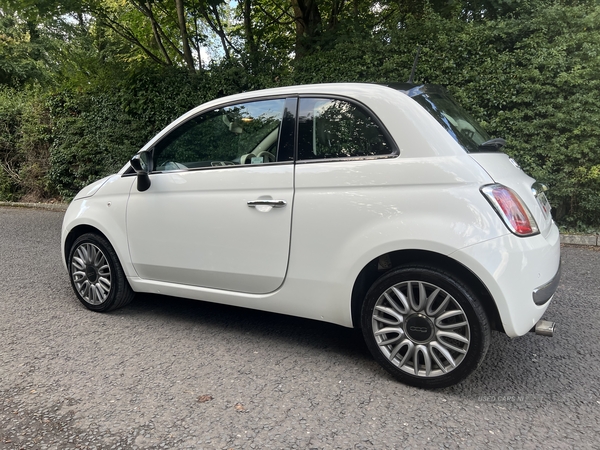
[[246, 133]]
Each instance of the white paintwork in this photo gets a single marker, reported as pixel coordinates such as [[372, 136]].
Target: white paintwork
[[511, 268], [196, 228], [104, 211], [91, 189], [303, 259]]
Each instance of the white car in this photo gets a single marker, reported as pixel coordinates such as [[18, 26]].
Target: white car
[[381, 207]]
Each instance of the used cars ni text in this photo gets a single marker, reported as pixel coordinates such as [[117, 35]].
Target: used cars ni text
[[381, 207]]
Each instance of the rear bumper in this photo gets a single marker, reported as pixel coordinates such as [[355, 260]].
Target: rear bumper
[[521, 274], [544, 293]]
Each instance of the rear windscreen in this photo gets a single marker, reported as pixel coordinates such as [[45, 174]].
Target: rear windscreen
[[459, 123]]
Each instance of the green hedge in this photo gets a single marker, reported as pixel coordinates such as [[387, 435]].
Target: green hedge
[[25, 140], [96, 131], [531, 78]]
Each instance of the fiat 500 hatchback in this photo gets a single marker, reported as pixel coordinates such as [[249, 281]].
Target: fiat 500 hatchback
[[386, 208]]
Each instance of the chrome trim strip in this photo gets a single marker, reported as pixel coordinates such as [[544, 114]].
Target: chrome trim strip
[[544, 293], [347, 158], [538, 188]]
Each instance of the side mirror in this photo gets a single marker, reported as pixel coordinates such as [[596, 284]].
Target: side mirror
[[141, 164]]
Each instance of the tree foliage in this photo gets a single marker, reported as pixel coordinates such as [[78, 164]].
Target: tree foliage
[[84, 84]]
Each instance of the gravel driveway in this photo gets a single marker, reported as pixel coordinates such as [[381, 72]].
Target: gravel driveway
[[172, 373]]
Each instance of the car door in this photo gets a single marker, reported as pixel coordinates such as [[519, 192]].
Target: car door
[[344, 184], [219, 207]]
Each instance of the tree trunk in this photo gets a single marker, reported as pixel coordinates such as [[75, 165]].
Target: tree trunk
[[308, 25], [157, 35], [336, 9], [187, 51], [250, 42]]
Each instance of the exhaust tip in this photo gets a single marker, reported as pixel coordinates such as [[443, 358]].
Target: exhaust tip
[[545, 328]]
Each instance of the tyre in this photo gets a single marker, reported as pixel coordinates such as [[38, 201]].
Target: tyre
[[424, 326], [96, 274]]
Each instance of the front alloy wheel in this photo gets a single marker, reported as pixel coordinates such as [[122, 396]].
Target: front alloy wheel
[[96, 274], [423, 326], [90, 272]]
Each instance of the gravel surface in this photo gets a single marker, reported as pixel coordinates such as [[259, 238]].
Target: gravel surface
[[172, 373]]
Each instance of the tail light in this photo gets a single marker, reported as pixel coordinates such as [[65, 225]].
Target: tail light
[[511, 209]]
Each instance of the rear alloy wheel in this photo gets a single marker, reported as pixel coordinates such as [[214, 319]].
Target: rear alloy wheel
[[424, 327], [96, 274]]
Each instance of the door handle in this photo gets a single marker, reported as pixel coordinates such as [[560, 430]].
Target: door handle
[[271, 203]]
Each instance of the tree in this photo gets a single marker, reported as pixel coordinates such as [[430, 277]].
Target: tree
[[181, 19]]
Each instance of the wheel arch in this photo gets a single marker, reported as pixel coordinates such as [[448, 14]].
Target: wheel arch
[[77, 231], [381, 265]]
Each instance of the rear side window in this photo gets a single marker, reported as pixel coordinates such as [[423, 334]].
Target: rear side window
[[332, 128]]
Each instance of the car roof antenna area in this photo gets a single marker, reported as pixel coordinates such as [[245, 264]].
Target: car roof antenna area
[[414, 67]]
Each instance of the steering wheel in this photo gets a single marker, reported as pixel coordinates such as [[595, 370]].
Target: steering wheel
[[270, 157], [171, 165]]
